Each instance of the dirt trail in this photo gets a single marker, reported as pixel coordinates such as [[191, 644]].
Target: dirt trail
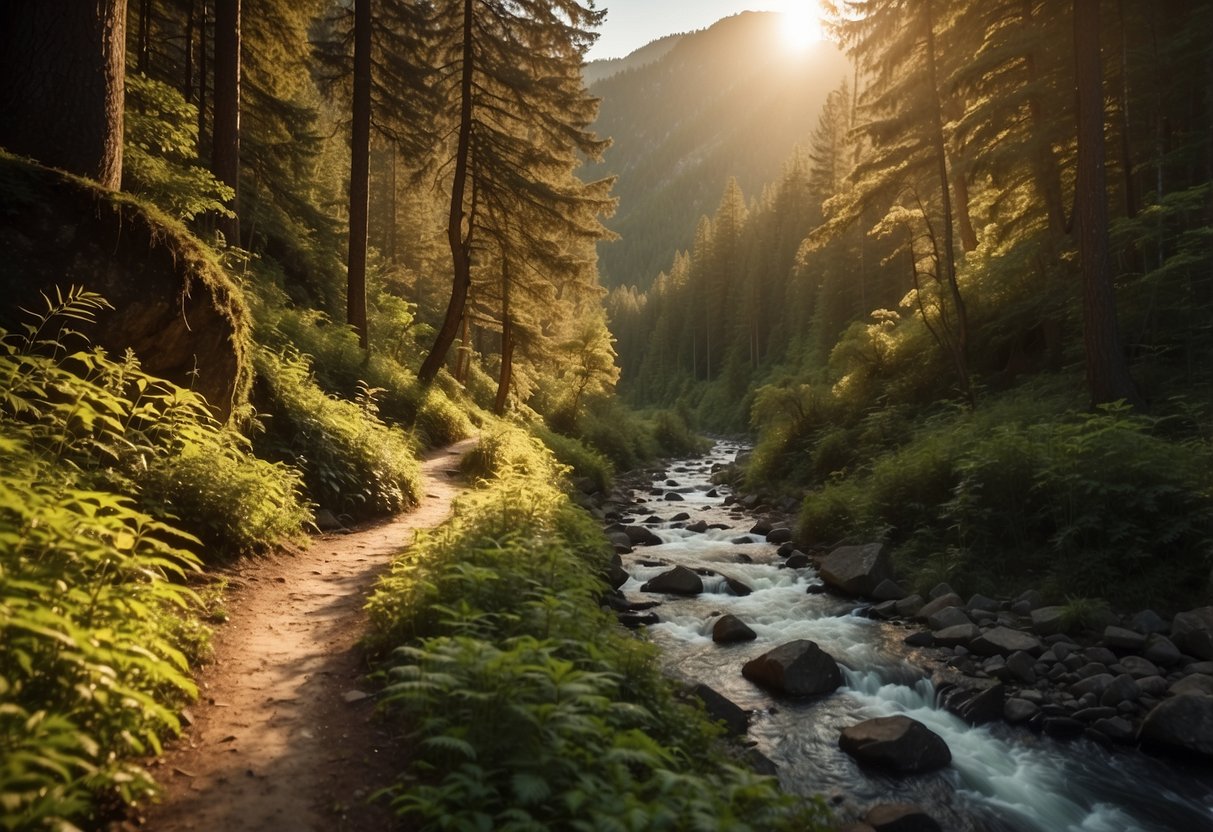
[[283, 736]]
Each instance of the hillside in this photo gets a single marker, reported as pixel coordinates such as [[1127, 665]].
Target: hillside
[[726, 101], [596, 71]]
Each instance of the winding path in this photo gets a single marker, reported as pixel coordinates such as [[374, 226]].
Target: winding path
[[283, 736]]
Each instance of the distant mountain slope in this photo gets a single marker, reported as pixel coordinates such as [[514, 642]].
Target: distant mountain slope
[[730, 100], [596, 71]]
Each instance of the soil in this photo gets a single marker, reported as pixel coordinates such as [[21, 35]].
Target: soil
[[285, 734]]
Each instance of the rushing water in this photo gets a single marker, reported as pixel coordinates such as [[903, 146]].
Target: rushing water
[[1001, 778]]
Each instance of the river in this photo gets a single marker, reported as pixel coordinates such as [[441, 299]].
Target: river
[[1001, 778]]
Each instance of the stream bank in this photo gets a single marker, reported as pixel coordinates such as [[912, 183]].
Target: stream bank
[[1001, 776]]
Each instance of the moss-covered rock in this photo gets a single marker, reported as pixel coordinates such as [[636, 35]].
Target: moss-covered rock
[[173, 303]]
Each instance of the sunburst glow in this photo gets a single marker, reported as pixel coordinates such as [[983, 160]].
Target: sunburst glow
[[801, 27]]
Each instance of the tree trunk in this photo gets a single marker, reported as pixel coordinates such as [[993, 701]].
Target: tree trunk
[[1108, 377], [1045, 168], [507, 343], [460, 241], [145, 36], [360, 150], [201, 76], [187, 85], [62, 65], [964, 220], [225, 145]]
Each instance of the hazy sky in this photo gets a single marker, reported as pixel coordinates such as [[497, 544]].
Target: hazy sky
[[631, 24]]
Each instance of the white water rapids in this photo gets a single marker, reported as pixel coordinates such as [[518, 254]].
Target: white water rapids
[[1001, 778]]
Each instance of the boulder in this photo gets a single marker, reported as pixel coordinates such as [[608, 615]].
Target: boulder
[[730, 629], [677, 581], [762, 528], [779, 535], [1022, 667], [1192, 632], [737, 587], [885, 610], [722, 709], [897, 743], [1049, 620], [1138, 667], [1197, 683], [857, 570], [900, 817], [797, 668], [1148, 622], [936, 604], [910, 606], [1120, 638], [1161, 650], [1004, 641], [673, 497], [699, 526], [956, 635], [976, 701], [616, 575], [1116, 728], [1096, 685], [888, 590], [1181, 723], [981, 602], [940, 589], [1017, 710], [1122, 689], [947, 617], [797, 560], [171, 304]]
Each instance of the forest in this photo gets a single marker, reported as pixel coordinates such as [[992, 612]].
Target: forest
[[262, 259]]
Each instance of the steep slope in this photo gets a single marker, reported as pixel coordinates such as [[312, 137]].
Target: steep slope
[[596, 71], [730, 100]]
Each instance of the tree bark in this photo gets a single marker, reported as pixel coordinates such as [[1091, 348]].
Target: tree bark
[[202, 72], [62, 65], [460, 242], [1045, 168], [145, 36], [187, 83], [225, 146], [1108, 377], [507, 343], [360, 150]]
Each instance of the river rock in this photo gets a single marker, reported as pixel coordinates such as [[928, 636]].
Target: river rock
[[937, 604], [673, 497], [1162, 651], [1096, 685], [698, 527], [1182, 723], [1049, 620], [737, 587], [1022, 666], [797, 668], [1018, 710], [941, 589], [730, 629], [896, 742], [947, 617], [1192, 632], [1138, 667], [956, 635], [910, 606], [885, 610], [677, 581], [761, 528], [1197, 683], [976, 701], [719, 707], [779, 535], [1005, 641], [1116, 728], [981, 602], [856, 570], [616, 575], [1148, 622], [900, 817], [797, 560], [1120, 638], [1122, 689]]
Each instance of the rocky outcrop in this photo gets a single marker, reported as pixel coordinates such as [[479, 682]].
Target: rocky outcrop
[[677, 581], [797, 668], [1192, 632], [896, 743], [856, 570], [729, 629], [173, 306], [1183, 723]]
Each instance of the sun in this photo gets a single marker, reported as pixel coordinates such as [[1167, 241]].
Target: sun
[[801, 26]]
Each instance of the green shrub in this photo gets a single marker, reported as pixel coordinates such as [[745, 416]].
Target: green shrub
[[582, 460], [350, 460]]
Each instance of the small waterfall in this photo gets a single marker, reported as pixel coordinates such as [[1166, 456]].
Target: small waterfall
[[1001, 778]]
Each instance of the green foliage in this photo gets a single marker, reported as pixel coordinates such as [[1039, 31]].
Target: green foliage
[[351, 462], [1085, 615], [530, 708], [159, 156], [583, 461]]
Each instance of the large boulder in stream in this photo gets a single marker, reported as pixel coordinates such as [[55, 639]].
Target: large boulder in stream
[[900, 817], [729, 629], [896, 743], [677, 581], [173, 306], [857, 570], [1182, 724], [797, 668]]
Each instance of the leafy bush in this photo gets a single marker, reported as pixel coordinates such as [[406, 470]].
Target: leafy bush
[[350, 460], [584, 461]]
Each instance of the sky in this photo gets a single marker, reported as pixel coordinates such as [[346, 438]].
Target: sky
[[630, 24]]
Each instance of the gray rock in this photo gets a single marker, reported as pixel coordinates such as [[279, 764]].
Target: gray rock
[[1116, 728], [797, 668], [857, 570], [1162, 651], [761, 528], [947, 617], [1063, 649], [1099, 654], [940, 590], [1181, 723], [779, 535], [1091, 669], [923, 638], [1138, 667], [1200, 667], [698, 527], [1022, 666], [797, 560], [730, 629], [897, 743], [885, 610], [737, 587], [888, 590], [1122, 689], [1148, 622], [910, 605], [674, 497], [1049, 620], [1198, 684], [1005, 641], [1096, 685], [976, 701], [720, 708], [1192, 632], [616, 575], [1155, 686], [981, 602], [1120, 638], [1032, 598], [936, 604], [326, 521], [1064, 727], [1018, 710], [677, 581], [960, 634], [900, 817]]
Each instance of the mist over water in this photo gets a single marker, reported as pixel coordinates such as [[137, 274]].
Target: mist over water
[[1001, 777]]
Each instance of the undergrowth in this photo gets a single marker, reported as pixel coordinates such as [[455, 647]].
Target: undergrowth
[[531, 708]]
